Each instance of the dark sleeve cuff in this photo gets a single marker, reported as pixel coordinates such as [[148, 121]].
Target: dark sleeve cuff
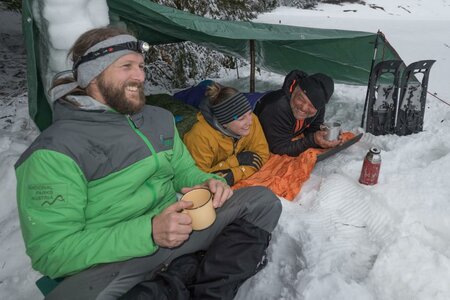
[[309, 142]]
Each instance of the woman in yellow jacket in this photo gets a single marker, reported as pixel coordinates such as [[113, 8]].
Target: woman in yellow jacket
[[227, 138]]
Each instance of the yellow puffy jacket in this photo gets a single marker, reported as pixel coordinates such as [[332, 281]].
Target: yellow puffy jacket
[[213, 151]]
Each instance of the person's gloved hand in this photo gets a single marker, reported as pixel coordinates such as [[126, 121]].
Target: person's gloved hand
[[227, 175], [249, 158]]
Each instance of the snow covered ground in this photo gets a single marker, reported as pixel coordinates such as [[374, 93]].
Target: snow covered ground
[[338, 239]]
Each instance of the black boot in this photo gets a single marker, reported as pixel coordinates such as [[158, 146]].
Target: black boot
[[170, 284], [236, 254]]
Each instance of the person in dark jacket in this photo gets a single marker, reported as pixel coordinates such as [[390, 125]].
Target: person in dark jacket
[[97, 191], [292, 116]]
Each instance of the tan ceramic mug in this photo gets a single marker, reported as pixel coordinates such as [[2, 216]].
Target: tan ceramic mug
[[202, 211]]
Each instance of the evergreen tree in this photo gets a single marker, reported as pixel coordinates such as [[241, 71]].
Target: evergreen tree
[[14, 5], [179, 72], [199, 62], [305, 4]]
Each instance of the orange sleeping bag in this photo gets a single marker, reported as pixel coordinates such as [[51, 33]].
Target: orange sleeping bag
[[284, 174]]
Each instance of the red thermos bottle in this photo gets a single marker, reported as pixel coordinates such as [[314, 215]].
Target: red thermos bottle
[[371, 167]]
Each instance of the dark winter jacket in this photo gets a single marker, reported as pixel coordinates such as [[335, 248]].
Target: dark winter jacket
[[280, 126]]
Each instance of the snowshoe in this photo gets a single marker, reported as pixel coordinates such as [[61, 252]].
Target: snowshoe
[[382, 97], [413, 94]]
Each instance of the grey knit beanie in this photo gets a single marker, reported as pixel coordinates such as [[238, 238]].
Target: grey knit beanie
[[231, 109]]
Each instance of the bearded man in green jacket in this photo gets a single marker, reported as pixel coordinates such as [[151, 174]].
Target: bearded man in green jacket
[[97, 191]]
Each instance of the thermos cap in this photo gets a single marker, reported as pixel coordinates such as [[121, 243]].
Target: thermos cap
[[375, 150]]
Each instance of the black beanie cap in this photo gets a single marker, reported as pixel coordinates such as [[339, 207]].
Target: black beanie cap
[[318, 87]]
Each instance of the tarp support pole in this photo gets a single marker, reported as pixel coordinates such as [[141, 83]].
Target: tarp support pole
[[375, 50], [252, 66]]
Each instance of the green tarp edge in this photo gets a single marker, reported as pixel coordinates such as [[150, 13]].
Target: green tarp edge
[[38, 106]]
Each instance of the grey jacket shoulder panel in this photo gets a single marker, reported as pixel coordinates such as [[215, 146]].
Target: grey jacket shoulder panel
[[103, 142], [157, 124]]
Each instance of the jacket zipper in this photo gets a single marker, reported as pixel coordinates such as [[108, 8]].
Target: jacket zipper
[[149, 145]]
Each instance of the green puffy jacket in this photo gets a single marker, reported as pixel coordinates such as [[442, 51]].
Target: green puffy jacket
[[89, 185]]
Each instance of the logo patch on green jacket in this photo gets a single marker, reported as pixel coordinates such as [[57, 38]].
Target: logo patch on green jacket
[[47, 195], [166, 141]]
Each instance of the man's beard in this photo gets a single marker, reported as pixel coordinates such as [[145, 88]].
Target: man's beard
[[115, 97]]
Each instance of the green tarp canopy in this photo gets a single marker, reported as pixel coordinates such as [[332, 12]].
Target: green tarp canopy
[[346, 56]]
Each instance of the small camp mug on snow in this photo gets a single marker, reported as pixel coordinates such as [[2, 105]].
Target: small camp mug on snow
[[333, 130], [202, 211]]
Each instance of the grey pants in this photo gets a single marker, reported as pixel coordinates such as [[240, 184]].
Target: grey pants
[[256, 205]]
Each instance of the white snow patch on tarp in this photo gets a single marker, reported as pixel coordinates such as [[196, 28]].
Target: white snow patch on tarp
[[60, 24]]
